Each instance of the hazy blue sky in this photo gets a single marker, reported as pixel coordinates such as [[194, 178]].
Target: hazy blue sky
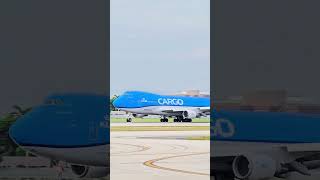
[[160, 45]]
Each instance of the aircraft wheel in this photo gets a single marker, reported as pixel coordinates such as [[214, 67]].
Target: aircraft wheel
[[129, 120], [187, 120], [178, 120], [164, 120]]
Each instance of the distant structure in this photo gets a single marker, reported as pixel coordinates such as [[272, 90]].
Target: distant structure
[[193, 93]]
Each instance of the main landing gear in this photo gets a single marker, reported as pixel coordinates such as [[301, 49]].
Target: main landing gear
[[164, 119], [181, 119]]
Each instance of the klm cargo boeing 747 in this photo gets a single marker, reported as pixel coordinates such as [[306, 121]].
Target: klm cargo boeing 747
[[183, 108], [244, 145]]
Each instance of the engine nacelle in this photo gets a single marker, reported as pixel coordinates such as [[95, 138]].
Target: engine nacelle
[[189, 114], [254, 167], [139, 115], [89, 171]]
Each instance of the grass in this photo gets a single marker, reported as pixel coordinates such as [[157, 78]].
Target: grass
[[198, 138], [160, 128], [6, 121], [155, 120]]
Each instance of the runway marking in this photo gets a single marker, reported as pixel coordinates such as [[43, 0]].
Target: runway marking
[[151, 164], [141, 148]]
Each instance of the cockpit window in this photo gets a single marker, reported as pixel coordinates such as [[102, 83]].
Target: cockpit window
[[54, 102]]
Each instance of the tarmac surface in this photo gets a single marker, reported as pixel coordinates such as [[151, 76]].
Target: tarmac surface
[[159, 155], [166, 155], [160, 124]]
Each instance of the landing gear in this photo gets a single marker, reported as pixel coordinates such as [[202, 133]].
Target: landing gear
[[187, 120], [129, 119], [164, 120], [181, 119], [176, 120]]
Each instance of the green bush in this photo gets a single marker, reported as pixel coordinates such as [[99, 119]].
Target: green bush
[[20, 152]]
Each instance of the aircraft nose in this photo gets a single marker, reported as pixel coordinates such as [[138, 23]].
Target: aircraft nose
[[117, 103], [29, 129]]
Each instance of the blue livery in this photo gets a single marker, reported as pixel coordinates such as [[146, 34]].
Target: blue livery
[[65, 121], [138, 99], [273, 127]]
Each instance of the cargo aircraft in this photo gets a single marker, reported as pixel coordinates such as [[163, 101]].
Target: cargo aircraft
[[183, 108], [245, 145]]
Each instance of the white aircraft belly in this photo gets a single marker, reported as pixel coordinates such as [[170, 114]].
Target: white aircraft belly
[[160, 110], [95, 155]]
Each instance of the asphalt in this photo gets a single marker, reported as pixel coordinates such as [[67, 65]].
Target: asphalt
[[159, 155]]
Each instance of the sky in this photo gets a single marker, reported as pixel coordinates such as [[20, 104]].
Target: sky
[[45, 49], [267, 45], [161, 46]]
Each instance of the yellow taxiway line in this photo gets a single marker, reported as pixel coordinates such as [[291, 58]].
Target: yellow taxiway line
[[151, 164]]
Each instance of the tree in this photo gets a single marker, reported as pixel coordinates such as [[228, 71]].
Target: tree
[[19, 111], [8, 146], [112, 108]]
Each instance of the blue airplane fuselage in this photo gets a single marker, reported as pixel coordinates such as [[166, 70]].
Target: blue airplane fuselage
[[137, 99]]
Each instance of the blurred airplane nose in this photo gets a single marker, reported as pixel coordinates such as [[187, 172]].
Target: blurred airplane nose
[[30, 128], [19, 132]]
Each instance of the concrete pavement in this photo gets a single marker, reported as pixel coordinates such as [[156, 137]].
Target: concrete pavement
[[159, 155]]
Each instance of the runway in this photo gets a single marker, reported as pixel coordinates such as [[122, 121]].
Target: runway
[[159, 155], [165, 155], [160, 124]]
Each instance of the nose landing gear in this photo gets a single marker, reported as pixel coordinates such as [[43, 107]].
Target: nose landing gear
[[129, 119]]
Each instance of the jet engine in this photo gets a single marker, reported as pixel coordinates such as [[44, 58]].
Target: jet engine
[[253, 167], [139, 115], [189, 114], [89, 171]]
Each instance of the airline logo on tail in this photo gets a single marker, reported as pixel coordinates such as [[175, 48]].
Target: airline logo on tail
[[169, 101]]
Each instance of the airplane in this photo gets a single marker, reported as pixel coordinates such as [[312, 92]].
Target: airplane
[[69, 127], [183, 108], [245, 145], [248, 145]]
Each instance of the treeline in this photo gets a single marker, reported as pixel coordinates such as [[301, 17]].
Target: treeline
[[7, 146]]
